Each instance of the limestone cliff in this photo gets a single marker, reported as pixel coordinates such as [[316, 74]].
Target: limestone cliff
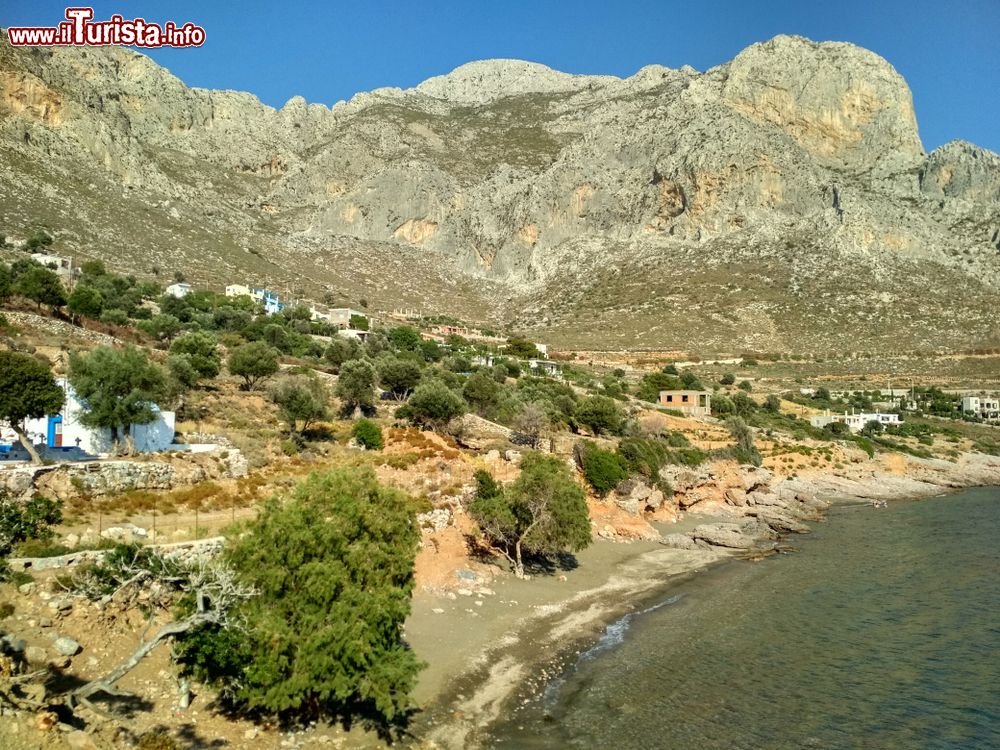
[[780, 201]]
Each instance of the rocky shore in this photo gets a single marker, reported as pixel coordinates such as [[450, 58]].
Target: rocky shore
[[725, 514]]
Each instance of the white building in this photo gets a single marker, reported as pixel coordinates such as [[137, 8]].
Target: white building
[[238, 290], [61, 265], [545, 367], [984, 407], [64, 430], [179, 290], [336, 316], [855, 422], [270, 300]]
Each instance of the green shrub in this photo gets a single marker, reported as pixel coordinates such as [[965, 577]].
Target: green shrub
[[40, 548], [599, 414], [644, 456], [333, 565], [28, 521], [687, 456], [368, 434], [115, 317], [744, 451], [866, 445], [603, 469]]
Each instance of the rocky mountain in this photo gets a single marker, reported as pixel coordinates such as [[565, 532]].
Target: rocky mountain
[[781, 202]]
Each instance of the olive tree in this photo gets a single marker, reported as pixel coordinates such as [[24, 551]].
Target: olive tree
[[27, 391], [432, 405], [117, 388], [356, 387], [200, 348], [301, 399], [254, 362], [542, 512]]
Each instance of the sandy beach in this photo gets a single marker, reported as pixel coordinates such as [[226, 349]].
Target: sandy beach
[[481, 650]]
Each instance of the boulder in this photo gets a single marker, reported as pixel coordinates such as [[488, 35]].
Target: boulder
[[435, 520], [723, 535], [36, 655], [126, 533], [782, 523], [678, 541], [733, 497], [66, 646], [766, 497], [628, 504], [755, 478]]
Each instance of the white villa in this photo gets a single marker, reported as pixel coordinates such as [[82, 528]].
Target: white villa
[[545, 367], [855, 422], [984, 407], [179, 290], [64, 430]]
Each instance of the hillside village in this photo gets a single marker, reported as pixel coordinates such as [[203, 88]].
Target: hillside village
[[176, 412]]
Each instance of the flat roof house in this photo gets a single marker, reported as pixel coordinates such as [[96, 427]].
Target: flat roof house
[[238, 290], [545, 367], [270, 300], [688, 403], [855, 422], [336, 316], [178, 290]]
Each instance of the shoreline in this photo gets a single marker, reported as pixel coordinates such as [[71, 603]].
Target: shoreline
[[542, 640], [482, 675]]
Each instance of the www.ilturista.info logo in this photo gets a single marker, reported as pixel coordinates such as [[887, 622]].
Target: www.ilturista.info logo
[[79, 30]]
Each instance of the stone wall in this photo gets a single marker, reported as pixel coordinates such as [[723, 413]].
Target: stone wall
[[180, 551], [100, 478]]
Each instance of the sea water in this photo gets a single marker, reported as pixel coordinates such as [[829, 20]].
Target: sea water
[[881, 631]]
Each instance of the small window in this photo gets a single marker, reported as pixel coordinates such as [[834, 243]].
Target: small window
[[684, 398], [670, 397]]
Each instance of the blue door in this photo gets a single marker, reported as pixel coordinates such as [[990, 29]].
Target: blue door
[[55, 432]]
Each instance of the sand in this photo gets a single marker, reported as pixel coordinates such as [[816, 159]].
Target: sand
[[481, 650]]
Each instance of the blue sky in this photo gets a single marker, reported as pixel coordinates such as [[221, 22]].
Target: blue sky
[[948, 51]]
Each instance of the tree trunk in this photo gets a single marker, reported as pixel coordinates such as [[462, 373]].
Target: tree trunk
[[26, 442], [518, 565], [106, 683]]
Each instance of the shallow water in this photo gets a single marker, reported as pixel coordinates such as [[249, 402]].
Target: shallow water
[[883, 631]]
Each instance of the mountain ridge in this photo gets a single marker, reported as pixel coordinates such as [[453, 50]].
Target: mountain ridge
[[521, 185]]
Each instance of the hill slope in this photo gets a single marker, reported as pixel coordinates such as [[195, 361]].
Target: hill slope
[[782, 201]]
